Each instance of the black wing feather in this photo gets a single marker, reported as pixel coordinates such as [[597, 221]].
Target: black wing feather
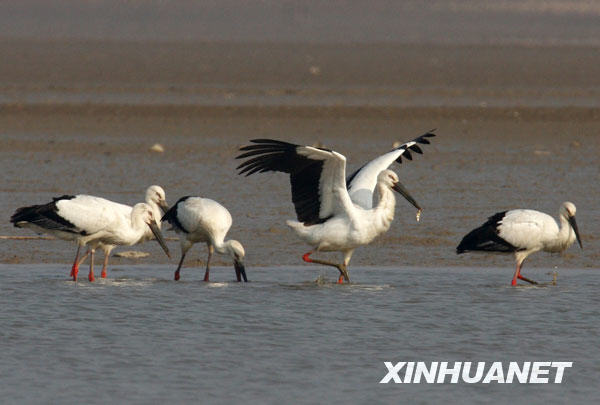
[[45, 216], [415, 148], [171, 215], [486, 238], [305, 174]]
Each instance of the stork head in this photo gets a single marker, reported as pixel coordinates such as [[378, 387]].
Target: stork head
[[145, 212], [390, 179], [567, 211], [155, 194], [237, 253]]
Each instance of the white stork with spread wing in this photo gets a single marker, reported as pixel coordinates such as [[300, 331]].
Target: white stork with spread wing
[[334, 214]]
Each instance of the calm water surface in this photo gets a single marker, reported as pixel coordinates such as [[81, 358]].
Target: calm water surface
[[139, 337]]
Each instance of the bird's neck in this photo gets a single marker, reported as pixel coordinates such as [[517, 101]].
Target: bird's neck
[[384, 204], [222, 247], [138, 228], [566, 234], [157, 212]]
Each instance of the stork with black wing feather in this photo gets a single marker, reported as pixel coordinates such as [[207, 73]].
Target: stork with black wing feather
[[334, 214]]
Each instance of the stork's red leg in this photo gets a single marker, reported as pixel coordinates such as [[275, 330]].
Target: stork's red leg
[[306, 257], [176, 277], [520, 277], [91, 273], [206, 273], [526, 279], [104, 265], [75, 268], [340, 267], [517, 271]]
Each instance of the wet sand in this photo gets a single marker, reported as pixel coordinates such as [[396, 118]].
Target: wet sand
[[297, 74], [517, 127]]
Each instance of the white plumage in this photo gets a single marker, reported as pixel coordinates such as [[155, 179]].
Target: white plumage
[[198, 219], [334, 214], [94, 222], [363, 183], [523, 232], [156, 199]]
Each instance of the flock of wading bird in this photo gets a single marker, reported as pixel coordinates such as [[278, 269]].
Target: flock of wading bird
[[335, 213]]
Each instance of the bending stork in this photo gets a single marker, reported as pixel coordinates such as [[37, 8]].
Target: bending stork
[[77, 218], [198, 219], [156, 199]]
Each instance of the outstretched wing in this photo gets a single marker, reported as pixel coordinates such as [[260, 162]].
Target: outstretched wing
[[361, 183], [317, 176]]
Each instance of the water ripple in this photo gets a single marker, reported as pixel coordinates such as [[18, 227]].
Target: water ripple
[[141, 337]]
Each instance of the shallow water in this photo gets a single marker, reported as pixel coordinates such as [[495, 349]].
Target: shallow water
[[143, 338], [87, 90]]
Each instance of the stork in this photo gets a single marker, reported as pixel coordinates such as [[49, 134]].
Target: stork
[[75, 218], [156, 199], [523, 232], [198, 219], [334, 213]]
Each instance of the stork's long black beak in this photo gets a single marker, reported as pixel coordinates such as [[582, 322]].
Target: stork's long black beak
[[240, 270], [159, 238], [164, 207], [399, 188], [574, 226]]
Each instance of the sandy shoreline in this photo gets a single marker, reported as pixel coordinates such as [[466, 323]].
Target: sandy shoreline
[[79, 117], [226, 73], [40, 110], [479, 164]]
